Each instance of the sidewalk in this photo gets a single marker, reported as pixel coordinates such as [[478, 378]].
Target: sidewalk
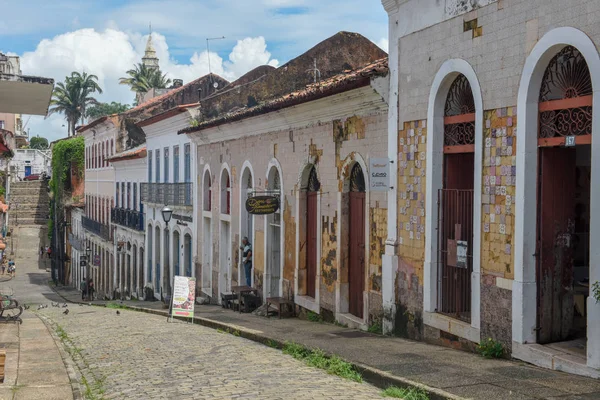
[[446, 373], [34, 363]]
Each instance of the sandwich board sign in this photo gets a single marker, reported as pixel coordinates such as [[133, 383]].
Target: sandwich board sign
[[184, 296]]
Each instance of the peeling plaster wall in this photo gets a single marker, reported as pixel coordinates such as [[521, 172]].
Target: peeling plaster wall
[[328, 143]]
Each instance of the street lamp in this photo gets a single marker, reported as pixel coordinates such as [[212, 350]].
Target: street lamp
[[167, 212]]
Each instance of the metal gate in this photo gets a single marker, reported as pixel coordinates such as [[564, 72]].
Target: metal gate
[[455, 252]]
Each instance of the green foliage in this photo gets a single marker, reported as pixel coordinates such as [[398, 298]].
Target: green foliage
[[490, 349], [64, 154], [2, 191], [317, 358], [141, 79], [376, 327], [73, 96], [405, 393], [116, 306], [39, 143], [314, 317], [596, 291], [102, 109]]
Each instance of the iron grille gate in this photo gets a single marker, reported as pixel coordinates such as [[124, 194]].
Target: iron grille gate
[[455, 252]]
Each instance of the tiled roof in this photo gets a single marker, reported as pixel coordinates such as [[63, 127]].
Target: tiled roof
[[337, 84], [167, 114], [137, 152]]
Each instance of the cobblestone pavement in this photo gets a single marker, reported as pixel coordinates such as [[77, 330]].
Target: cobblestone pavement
[[141, 356]]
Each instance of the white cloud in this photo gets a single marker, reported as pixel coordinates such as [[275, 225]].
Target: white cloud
[[384, 44], [110, 53]]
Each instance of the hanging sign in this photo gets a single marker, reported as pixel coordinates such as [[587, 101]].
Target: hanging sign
[[262, 205], [461, 253], [97, 260], [380, 174], [184, 295]]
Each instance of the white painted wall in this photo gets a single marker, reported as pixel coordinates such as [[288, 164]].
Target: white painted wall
[[38, 160]]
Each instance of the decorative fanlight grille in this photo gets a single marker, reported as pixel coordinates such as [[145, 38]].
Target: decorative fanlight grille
[[313, 180], [566, 96], [357, 179], [459, 122]]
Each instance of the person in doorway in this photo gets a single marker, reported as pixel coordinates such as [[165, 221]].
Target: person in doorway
[[247, 259], [41, 251], [90, 289], [83, 287]]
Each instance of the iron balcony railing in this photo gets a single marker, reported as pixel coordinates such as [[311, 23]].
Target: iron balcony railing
[[96, 228], [172, 194], [128, 218]]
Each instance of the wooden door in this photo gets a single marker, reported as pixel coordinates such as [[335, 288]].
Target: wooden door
[[556, 227], [311, 243], [356, 272]]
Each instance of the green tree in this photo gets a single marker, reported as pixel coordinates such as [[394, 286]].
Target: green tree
[[103, 109], [141, 79], [73, 96], [38, 142]]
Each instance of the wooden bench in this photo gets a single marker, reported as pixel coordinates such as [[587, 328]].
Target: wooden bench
[[279, 302], [227, 299]]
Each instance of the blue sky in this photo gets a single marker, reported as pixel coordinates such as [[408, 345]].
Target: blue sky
[[106, 37]]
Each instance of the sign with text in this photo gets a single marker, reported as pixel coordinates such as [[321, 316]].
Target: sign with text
[[184, 295], [379, 169], [262, 205]]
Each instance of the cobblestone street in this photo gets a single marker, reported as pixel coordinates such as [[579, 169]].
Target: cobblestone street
[[142, 356]]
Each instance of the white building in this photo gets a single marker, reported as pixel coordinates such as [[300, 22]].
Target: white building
[[29, 162], [77, 241], [172, 181], [100, 137], [128, 217]]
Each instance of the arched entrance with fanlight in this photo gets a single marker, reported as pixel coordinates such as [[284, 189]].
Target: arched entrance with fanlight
[[455, 202], [563, 197], [356, 242]]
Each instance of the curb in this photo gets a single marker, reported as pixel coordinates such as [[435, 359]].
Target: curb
[[374, 376], [70, 365]]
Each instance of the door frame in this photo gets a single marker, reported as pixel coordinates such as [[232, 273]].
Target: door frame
[[274, 163], [524, 306], [342, 288]]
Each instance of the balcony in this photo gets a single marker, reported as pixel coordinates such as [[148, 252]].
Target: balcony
[[97, 228], [128, 218], [172, 194]]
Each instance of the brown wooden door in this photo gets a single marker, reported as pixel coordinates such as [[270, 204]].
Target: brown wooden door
[[556, 226], [356, 273], [311, 242]]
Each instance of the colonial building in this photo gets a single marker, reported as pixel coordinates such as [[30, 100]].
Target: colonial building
[[311, 150], [100, 137], [492, 112], [29, 162], [128, 218], [172, 181]]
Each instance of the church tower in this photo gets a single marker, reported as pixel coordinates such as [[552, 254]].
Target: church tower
[[150, 60]]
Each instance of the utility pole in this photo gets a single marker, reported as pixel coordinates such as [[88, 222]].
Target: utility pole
[[208, 50]]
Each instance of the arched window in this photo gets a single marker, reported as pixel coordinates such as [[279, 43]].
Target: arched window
[[207, 192], [225, 193], [459, 116], [103, 156]]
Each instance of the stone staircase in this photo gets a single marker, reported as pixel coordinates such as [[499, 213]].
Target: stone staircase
[[29, 203]]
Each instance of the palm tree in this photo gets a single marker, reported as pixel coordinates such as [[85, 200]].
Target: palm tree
[[72, 97], [141, 79]]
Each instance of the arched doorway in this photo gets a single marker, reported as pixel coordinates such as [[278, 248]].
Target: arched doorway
[[312, 215], [141, 275], [225, 232], [176, 254], [187, 254], [157, 274], [134, 280], [150, 253], [356, 242], [128, 289], [246, 222], [564, 176], [455, 202], [207, 238], [273, 241]]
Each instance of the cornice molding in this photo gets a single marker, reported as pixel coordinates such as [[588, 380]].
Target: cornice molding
[[391, 6]]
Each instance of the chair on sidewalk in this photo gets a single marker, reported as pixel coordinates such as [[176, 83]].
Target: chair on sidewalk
[[279, 302]]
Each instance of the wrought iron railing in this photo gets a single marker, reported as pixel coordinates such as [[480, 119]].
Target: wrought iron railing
[[96, 228], [172, 194], [128, 218]]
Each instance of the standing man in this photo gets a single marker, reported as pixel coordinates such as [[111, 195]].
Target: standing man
[[247, 260], [83, 286]]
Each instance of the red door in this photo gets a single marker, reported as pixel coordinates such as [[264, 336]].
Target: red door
[[356, 273], [556, 226], [311, 243]]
